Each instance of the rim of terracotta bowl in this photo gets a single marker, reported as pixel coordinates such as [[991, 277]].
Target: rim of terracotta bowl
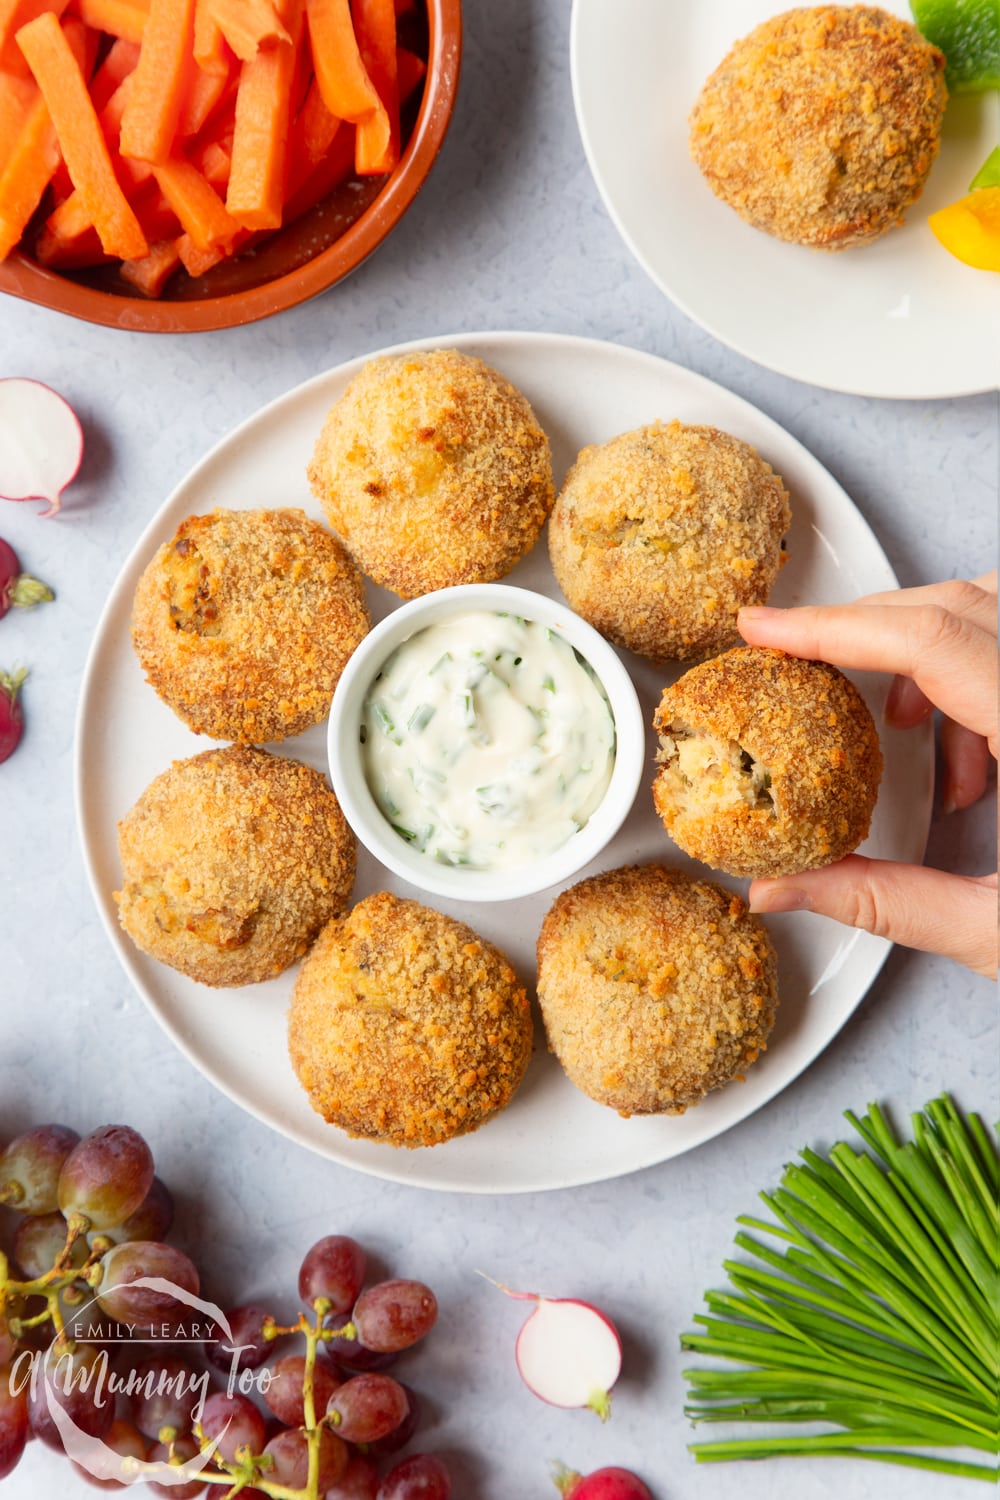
[[22, 277]]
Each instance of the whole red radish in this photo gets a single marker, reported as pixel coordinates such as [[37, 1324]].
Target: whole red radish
[[11, 713], [602, 1484], [41, 443], [18, 590]]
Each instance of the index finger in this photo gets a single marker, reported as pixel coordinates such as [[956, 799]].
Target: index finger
[[950, 658]]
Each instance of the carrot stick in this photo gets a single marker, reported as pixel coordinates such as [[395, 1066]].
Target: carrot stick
[[121, 18], [154, 106], [196, 203], [204, 93], [257, 177], [311, 138], [16, 97], [210, 50], [14, 14], [377, 148], [33, 157], [151, 273], [410, 71], [213, 162], [347, 90], [116, 67], [335, 168], [81, 139], [248, 24], [70, 254]]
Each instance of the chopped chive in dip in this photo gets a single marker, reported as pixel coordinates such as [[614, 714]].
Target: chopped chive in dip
[[499, 746]]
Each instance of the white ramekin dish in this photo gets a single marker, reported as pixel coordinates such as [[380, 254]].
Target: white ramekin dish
[[370, 824]]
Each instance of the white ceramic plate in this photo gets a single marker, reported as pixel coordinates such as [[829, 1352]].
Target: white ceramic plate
[[551, 1136], [900, 317]]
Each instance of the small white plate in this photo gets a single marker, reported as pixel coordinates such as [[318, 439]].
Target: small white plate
[[551, 1135], [900, 317]]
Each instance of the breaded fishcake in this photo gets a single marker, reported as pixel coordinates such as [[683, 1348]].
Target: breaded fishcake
[[655, 988], [434, 471], [821, 126], [405, 1027], [768, 764], [232, 861], [244, 621], [661, 535]]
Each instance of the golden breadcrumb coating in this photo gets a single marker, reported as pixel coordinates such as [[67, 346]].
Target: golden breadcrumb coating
[[405, 1027], [768, 764], [244, 621], [231, 863], [661, 535], [821, 126], [655, 988], [434, 471]]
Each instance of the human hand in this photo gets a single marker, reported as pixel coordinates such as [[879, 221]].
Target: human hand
[[940, 642]]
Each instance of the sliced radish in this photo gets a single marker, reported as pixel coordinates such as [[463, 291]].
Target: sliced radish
[[568, 1352], [41, 443]]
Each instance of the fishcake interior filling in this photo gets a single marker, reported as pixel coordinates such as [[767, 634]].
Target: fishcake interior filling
[[706, 773]]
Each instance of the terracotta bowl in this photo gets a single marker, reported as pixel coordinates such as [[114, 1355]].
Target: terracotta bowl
[[293, 264]]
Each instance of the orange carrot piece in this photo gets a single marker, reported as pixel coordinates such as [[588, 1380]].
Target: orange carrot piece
[[376, 150], [13, 15], [196, 203], [81, 139], [196, 262], [248, 25], [17, 95], [311, 138], [121, 18], [213, 162], [204, 93], [260, 142], [410, 71], [335, 168], [151, 272], [116, 67], [154, 105], [210, 49], [70, 254], [33, 157], [347, 90]]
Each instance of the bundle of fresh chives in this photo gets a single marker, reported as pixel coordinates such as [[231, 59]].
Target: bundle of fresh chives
[[881, 1320]]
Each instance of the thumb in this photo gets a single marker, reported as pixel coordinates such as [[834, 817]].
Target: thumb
[[954, 915]]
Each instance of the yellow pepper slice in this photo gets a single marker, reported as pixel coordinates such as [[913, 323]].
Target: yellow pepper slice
[[970, 228]]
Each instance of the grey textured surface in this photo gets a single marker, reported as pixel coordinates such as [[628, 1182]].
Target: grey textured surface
[[508, 233]]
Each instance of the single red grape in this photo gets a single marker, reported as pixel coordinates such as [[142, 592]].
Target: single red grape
[[146, 1309], [184, 1449], [394, 1314], [235, 1421], [334, 1268], [422, 1477], [359, 1481], [106, 1176], [284, 1394], [289, 1453], [14, 1429], [30, 1168], [165, 1391], [368, 1407], [40, 1239], [401, 1435], [152, 1219], [73, 1377], [248, 1348], [126, 1440]]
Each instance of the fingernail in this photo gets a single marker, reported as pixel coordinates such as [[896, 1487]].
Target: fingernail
[[758, 612], [778, 898]]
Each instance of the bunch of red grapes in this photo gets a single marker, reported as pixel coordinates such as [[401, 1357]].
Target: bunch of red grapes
[[89, 1270]]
